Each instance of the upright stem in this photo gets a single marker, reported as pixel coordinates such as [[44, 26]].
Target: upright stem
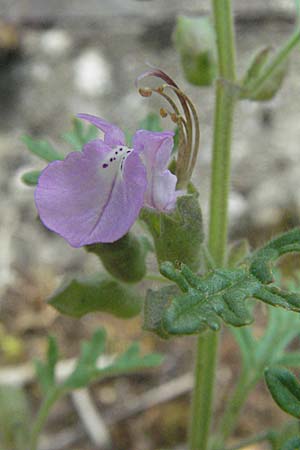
[[42, 416], [224, 107]]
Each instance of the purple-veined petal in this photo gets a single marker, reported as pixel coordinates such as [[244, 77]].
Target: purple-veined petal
[[154, 148], [164, 192], [88, 199], [113, 135]]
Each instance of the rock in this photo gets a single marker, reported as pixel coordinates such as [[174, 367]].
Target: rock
[[55, 42], [92, 75]]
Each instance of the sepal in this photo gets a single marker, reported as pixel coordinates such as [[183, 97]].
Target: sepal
[[177, 236], [81, 296], [124, 258]]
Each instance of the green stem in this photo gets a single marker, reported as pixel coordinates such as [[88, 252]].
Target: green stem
[[275, 62], [224, 107], [42, 416]]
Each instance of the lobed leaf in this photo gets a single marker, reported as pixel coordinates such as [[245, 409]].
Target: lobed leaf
[[260, 262], [220, 294], [46, 371]]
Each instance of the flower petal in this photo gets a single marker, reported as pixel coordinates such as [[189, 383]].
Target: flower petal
[[113, 135], [87, 201], [155, 148]]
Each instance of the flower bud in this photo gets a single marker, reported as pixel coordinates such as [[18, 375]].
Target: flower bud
[[178, 235], [194, 40], [271, 86], [124, 258]]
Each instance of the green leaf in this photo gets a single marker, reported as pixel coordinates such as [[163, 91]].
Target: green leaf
[[257, 67], [260, 262], [131, 360], [31, 178], [292, 444], [80, 134], [155, 305], [14, 417], [220, 294], [86, 367], [285, 389], [97, 293], [152, 122], [42, 149], [46, 371]]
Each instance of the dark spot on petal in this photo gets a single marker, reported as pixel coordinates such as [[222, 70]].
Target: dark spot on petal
[[104, 165], [128, 151], [111, 159], [116, 153]]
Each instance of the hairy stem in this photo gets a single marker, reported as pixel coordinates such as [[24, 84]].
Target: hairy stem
[[224, 107]]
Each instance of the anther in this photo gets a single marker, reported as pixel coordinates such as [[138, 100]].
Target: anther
[[145, 92]]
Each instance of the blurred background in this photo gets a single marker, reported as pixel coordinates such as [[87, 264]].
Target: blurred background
[[59, 58]]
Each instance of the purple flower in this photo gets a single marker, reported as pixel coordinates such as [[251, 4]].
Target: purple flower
[[96, 195]]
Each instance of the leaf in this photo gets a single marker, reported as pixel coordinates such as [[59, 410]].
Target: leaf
[[87, 370], [80, 134], [131, 360], [86, 367], [83, 295], [46, 371], [42, 149], [275, 296], [31, 178], [258, 66], [285, 389], [260, 262], [220, 294]]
